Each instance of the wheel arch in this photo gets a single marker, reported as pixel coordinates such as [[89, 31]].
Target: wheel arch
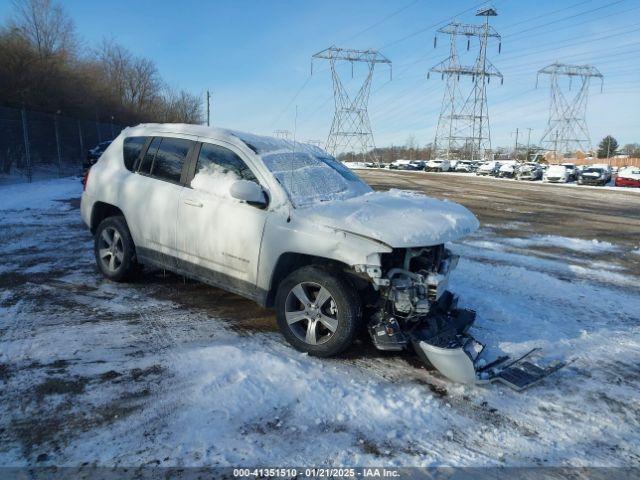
[[102, 210], [289, 262]]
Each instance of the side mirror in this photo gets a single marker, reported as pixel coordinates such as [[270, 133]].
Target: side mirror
[[249, 192]]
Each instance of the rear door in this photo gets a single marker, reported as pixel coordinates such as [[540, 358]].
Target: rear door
[[217, 234], [156, 194]]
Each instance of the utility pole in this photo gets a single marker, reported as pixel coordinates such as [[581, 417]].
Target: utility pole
[[516, 147], [528, 143], [27, 145], [464, 119], [208, 108], [351, 127], [58, 146]]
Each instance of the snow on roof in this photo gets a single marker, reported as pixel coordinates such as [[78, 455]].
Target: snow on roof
[[260, 144]]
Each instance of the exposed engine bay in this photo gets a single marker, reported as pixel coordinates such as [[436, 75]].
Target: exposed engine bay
[[415, 311]]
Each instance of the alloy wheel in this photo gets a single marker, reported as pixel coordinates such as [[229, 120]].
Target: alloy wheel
[[311, 313], [110, 249]]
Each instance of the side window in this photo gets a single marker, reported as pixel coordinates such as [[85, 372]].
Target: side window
[[147, 161], [170, 158], [131, 150], [218, 168]]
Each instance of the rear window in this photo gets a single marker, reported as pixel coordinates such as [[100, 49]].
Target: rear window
[[170, 159], [147, 160], [131, 150]]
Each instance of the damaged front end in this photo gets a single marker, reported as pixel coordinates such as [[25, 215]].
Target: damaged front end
[[415, 310]]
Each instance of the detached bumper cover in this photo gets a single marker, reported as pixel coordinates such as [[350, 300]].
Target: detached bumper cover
[[458, 356]]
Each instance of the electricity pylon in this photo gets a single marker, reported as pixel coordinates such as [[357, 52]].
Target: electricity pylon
[[351, 127], [567, 125], [463, 125], [284, 134]]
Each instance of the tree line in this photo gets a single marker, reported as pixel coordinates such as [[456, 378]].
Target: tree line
[[46, 67]]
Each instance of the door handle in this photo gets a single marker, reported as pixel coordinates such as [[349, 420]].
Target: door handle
[[193, 203]]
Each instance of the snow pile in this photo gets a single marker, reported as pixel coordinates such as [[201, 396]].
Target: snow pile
[[398, 218], [214, 179], [576, 244], [38, 194]]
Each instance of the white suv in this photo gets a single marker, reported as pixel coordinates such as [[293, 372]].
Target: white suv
[[283, 224]]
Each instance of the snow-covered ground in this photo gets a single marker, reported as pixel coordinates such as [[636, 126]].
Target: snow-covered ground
[[128, 375]]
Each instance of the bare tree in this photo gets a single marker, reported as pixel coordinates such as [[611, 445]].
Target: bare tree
[[43, 70], [143, 84], [46, 25], [182, 107]]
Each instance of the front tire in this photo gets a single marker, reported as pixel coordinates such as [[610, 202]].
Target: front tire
[[114, 250], [318, 312]]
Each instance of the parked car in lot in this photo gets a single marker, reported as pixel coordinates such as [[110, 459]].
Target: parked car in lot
[[595, 175], [399, 164], [415, 165], [465, 166], [529, 171], [608, 170], [556, 174], [93, 154], [438, 165], [489, 168], [283, 224], [571, 170], [508, 169], [628, 177]]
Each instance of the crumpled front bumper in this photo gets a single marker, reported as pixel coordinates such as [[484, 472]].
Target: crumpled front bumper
[[458, 356]]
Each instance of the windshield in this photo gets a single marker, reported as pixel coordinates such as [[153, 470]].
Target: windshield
[[592, 170], [312, 175], [307, 173]]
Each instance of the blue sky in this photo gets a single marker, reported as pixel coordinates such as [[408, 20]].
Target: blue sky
[[255, 56]]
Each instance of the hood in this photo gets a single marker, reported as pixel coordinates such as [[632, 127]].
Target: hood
[[397, 218]]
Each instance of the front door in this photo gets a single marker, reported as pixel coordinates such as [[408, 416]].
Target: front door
[[215, 231]]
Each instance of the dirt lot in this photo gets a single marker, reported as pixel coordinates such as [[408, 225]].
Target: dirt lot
[[567, 210], [166, 371]]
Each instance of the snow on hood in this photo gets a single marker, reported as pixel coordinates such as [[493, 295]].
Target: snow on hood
[[397, 218]]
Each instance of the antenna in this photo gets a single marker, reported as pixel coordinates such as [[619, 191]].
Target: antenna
[[293, 155]]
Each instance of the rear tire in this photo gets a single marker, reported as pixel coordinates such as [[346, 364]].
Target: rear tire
[[318, 312], [115, 251]]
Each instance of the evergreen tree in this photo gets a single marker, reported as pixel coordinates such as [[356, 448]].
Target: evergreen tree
[[607, 147]]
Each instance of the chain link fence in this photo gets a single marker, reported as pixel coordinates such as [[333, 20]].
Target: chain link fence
[[37, 145]]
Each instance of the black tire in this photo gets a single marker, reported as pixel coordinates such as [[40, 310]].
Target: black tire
[[344, 298], [125, 266]]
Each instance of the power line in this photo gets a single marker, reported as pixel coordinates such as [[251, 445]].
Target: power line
[[381, 21], [527, 20], [546, 24], [293, 99], [430, 27]]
